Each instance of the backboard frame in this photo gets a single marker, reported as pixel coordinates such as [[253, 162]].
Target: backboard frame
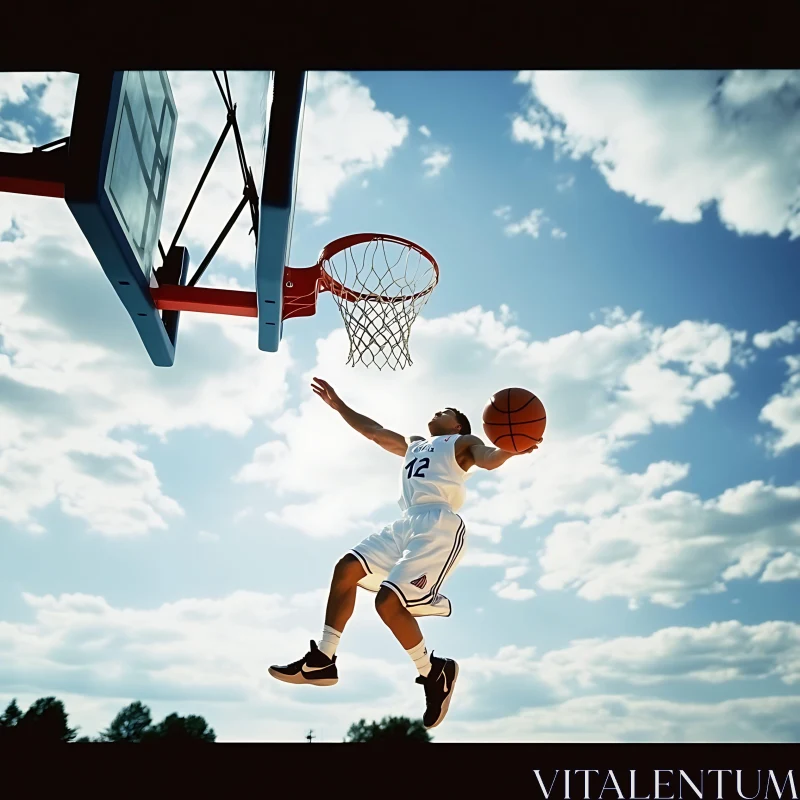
[[99, 106], [281, 165]]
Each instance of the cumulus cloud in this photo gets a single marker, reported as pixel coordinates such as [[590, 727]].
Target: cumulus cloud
[[787, 334], [679, 141], [718, 653], [621, 718], [515, 567], [75, 385], [345, 134], [212, 653], [531, 225], [437, 161], [425, 131], [782, 411], [565, 183], [672, 548], [191, 652]]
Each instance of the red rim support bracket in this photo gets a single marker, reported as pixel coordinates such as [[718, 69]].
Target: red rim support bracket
[[302, 286]]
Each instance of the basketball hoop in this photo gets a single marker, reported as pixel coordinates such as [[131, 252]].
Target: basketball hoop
[[380, 284]]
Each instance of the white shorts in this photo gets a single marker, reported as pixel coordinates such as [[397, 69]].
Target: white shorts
[[413, 556]]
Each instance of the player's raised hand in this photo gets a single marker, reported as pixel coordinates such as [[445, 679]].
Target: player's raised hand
[[324, 390]]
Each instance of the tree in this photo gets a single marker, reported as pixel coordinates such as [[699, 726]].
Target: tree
[[179, 730], [45, 722], [390, 729], [9, 721], [130, 725], [11, 716]]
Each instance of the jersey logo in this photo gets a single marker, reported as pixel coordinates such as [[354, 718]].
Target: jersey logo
[[420, 582]]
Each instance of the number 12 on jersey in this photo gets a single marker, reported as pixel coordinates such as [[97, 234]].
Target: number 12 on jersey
[[424, 463]]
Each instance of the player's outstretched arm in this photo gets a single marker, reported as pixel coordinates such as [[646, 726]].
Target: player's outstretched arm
[[388, 440], [486, 456]]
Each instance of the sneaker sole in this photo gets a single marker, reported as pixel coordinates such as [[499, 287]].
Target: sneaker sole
[[446, 703], [299, 679]]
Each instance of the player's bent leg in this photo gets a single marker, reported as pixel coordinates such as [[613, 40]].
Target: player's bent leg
[[316, 667], [443, 672], [397, 617], [342, 593]]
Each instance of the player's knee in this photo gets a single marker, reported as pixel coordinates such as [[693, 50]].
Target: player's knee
[[348, 570], [387, 603]]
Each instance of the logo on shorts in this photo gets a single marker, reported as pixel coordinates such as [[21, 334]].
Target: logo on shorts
[[420, 582]]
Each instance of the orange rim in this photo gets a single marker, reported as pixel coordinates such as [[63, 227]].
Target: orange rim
[[329, 283]]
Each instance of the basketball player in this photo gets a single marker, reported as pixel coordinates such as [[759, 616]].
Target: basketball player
[[408, 561]]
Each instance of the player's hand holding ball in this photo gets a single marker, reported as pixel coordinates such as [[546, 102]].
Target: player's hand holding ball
[[514, 420]]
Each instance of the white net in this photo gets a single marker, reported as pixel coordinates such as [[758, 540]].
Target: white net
[[380, 284]]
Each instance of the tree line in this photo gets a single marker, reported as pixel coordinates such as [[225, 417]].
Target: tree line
[[47, 722]]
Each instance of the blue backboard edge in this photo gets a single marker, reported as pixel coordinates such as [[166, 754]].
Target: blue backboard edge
[[279, 185], [97, 221]]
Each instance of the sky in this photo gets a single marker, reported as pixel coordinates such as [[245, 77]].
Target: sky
[[625, 245]]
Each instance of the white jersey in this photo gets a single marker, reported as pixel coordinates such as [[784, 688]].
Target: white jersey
[[431, 474]]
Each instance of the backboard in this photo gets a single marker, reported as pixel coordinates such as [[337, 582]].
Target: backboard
[[120, 153]]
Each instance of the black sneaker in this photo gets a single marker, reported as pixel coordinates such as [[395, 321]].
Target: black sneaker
[[438, 685], [313, 668]]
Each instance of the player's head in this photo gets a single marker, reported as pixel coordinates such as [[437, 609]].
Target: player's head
[[449, 420]]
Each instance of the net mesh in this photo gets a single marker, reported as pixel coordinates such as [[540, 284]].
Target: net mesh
[[383, 285]]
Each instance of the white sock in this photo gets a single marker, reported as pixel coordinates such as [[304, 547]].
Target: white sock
[[329, 641], [422, 661]]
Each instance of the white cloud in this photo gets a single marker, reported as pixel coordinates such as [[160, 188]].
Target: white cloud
[[675, 547], [76, 385], [425, 131], [209, 656], [515, 567], [721, 652], [621, 718], [782, 411], [193, 653], [437, 161], [344, 135], [784, 568], [476, 557], [565, 183], [530, 225], [679, 140], [511, 590], [784, 335]]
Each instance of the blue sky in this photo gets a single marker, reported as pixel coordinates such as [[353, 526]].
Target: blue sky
[[623, 244]]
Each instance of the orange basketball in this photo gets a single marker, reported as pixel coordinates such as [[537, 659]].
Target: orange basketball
[[514, 419]]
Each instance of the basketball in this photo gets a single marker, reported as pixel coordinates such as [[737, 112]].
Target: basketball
[[514, 419]]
